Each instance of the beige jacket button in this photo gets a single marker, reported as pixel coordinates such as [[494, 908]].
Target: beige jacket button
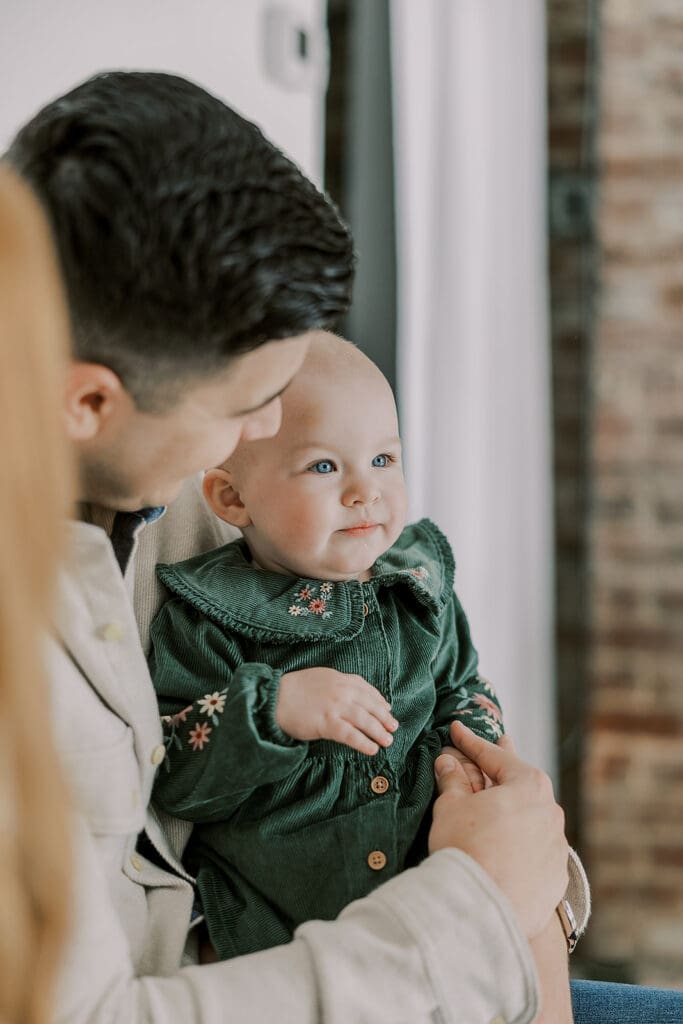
[[158, 754], [111, 631], [136, 862], [498, 1020], [379, 784], [377, 860]]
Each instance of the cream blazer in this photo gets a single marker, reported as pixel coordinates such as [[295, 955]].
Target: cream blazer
[[438, 944]]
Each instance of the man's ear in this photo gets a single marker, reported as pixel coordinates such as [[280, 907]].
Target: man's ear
[[93, 393], [221, 495]]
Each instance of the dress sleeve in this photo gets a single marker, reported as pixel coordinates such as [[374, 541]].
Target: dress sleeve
[[461, 693], [218, 717]]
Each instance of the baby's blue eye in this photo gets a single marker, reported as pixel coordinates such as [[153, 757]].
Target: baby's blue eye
[[381, 461], [324, 466]]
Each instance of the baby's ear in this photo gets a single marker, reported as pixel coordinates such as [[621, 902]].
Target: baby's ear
[[222, 497]]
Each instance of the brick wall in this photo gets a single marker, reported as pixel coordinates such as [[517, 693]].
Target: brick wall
[[624, 480], [634, 769]]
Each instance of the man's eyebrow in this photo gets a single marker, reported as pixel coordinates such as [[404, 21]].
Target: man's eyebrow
[[264, 403]]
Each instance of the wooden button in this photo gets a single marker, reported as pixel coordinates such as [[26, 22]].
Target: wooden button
[[366, 610], [379, 784], [377, 860], [136, 862]]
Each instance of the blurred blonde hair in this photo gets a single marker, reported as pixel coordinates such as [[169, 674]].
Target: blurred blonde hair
[[35, 493]]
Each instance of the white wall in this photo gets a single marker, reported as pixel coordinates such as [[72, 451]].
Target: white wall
[[47, 46], [474, 374]]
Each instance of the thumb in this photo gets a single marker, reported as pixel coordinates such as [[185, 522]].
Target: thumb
[[505, 741], [500, 764], [450, 775]]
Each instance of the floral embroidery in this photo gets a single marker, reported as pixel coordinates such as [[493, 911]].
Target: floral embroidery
[[464, 694], [312, 600], [199, 735], [171, 738], [494, 727], [486, 684], [175, 720], [474, 703], [492, 710], [419, 572], [212, 703]]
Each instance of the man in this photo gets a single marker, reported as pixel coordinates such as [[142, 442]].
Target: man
[[197, 261]]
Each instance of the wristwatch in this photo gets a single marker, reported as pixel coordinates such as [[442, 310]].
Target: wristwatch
[[568, 922]]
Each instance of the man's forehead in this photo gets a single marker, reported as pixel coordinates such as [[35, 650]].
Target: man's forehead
[[261, 404], [322, 440], [255, 378]]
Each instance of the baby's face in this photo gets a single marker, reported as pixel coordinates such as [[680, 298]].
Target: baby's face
[[326, 496]]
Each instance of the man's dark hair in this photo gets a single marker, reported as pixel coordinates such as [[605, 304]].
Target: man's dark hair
[[185, 236]]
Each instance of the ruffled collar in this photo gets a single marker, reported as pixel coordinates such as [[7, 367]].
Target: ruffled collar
[[224, 586]]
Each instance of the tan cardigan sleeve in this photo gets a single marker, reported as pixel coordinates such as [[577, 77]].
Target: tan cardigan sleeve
[[437, 945], [578, 892]]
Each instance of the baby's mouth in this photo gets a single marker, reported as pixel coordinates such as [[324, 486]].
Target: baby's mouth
[[360, 529]]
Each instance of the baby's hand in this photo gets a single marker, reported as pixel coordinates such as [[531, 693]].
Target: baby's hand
[[476, 777], [479, 780], [323, 704]]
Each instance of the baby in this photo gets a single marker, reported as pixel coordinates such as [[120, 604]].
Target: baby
[[308, 673]]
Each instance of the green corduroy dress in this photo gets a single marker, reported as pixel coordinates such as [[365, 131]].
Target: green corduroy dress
[[288, 830]]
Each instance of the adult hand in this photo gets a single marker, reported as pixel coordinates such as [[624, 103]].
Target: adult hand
[[475, 776], [514, 829], [321, 703]]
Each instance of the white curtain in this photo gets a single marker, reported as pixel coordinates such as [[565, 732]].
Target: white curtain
[[473, 349]]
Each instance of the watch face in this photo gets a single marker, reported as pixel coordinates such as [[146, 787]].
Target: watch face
[[566, 916], [570, 913]]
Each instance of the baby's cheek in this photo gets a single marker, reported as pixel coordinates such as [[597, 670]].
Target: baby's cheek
[[299, 531]]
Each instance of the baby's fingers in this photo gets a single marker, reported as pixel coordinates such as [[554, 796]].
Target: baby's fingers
[[476, 777], [370, 725], [367, 697], [347, 733]]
